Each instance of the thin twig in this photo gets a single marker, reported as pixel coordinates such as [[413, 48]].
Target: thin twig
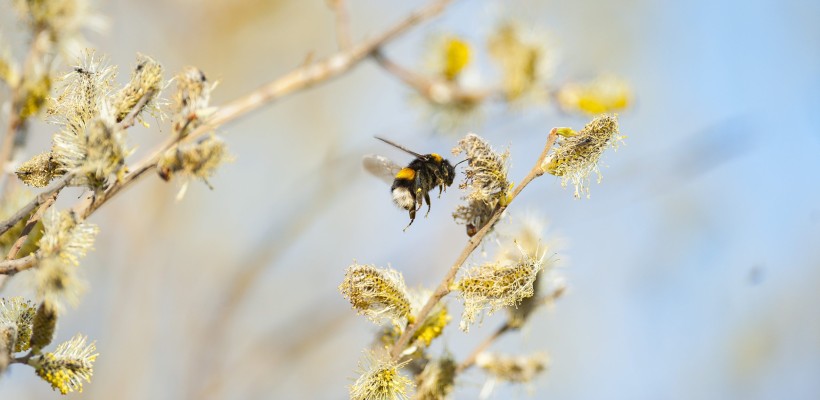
[[298, 79], [30, 225], [11, 267], [342, 23], [470, 360], [435, 90], [444, 287]]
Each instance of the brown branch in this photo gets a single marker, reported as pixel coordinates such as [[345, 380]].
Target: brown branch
[[435, 90], [343, 36], [11, 267], [444, 287], [301, 78], [470, 360]]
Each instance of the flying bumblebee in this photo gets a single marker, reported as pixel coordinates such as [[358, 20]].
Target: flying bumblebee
[[411, 184]]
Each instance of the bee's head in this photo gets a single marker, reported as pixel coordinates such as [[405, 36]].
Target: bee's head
[[448, 171]]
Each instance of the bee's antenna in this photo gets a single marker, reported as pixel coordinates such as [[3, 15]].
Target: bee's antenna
[[466, 159], [400, 147]]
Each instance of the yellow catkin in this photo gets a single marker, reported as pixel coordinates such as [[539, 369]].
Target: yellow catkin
[[68, 366], [577, 156], [605, 94], [456, 57], [146, 80], [381, 380], [376, 293], [38, 171]]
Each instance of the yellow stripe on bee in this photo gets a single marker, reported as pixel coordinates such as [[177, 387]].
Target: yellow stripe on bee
[[437, 158], [406, 174]]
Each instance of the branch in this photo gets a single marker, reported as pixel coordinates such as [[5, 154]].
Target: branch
[[11, 267], [342, 23], [444, 287], [299, 79], [435, 90], [470, 360]]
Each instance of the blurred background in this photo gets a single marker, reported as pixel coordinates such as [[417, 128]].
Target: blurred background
[[692, 269]]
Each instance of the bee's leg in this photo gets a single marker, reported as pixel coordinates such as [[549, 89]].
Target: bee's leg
[[440, 189], [412, 218], [427, 198], [419, 199]]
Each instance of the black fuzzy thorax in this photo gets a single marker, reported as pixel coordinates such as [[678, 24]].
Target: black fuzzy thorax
[[429, 174]]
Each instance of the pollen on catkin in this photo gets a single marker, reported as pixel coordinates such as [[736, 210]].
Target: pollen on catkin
[[39, 170], [433, 325], [428, 330], [377, 293], [68, 366], [604, 94], [491, 286], [18, 313], [517, 369], [456, 56], [447, 56], [525, 59], [146, 81], [577, 156], [437, 380], [485, 180], [380, 380]]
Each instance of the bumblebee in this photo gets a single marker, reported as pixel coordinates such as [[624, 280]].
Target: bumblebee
[[411, 185]]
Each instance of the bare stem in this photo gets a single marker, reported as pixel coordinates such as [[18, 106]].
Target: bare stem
[[343, 36], [11, 267], [470, 360], [434, 90], [444, 287]]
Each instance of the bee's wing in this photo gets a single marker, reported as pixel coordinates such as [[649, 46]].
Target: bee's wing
[[381, 167]]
